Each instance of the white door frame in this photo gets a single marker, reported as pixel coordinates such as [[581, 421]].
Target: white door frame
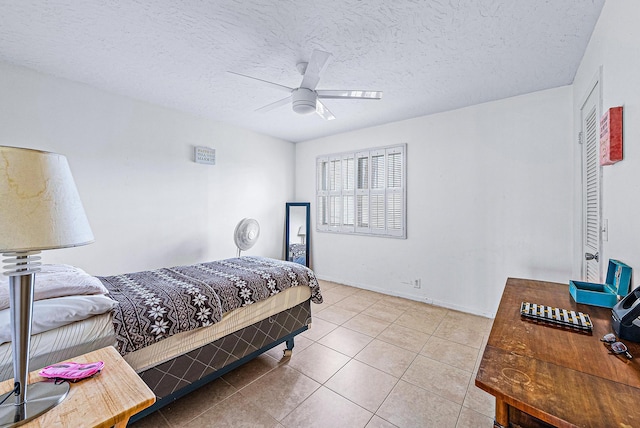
[[592, 217]]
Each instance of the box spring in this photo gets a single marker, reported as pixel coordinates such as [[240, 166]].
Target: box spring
[[185, 373]]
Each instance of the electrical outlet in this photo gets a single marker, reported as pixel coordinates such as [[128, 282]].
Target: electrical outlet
[[417, 283]]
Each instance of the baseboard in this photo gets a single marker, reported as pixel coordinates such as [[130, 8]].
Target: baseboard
[[442, 304]]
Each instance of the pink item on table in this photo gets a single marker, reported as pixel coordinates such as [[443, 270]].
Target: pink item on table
[[72, 371]]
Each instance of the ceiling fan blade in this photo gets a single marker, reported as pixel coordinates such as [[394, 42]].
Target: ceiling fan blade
[[273, 85], [323, 111], [274, 105], [315, 67], [337, 94]]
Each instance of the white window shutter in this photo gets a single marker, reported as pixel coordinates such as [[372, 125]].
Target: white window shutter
[[377, 191], [395, 191], [322, 186], [364, 192], [348, 193], [335, 197]]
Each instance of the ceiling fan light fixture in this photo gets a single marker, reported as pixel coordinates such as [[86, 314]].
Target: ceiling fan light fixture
[[306, 99], [303, 101]]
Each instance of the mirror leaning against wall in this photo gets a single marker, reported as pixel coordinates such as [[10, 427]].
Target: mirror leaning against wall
[[297, 232]]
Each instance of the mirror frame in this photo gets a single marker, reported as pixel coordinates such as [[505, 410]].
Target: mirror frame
[[306, 205]]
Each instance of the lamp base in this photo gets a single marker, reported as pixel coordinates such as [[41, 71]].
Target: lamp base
[[40, 398]]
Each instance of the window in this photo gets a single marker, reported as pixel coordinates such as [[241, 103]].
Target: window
[[363, 192]]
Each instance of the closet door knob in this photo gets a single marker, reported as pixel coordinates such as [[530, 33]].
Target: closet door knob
[[589, 256]]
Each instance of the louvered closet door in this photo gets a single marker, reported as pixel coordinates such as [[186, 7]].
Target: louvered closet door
[[591, 185]]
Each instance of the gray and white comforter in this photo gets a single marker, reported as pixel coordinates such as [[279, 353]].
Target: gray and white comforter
[[154, 305]]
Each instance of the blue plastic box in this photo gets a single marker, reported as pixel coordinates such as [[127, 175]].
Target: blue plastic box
[[605, 295]]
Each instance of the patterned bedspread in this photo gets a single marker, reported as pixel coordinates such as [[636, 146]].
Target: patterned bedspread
[[297, 250], [154, 305]]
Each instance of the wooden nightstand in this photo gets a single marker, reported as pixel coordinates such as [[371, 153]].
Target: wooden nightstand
[[106, 400]]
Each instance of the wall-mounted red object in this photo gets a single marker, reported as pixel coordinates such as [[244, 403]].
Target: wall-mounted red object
[[611, 136]]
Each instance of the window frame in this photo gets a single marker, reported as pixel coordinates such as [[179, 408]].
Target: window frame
[[354, 220]]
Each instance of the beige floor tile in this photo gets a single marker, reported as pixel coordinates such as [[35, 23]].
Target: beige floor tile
[[436, 311], [425, 321], [318, 329], [435, 352], [480, 352], [335, 314], [397, 302], [330, 297], [346, 341], [344, 290], [326, 285], [415, 305], [326, 409], [234, 412], [452, 353], [442, 379], [373, 295], [471, 419], [250, 371], [469, 335], [475, 322], [386, 357], [154, 420], [377, 422], [194, 404], [410, 406], [280, 391], [362, 384], [404, 337], [356, 302], [318, 362], [478, 400], [384, 312], [367, 325]]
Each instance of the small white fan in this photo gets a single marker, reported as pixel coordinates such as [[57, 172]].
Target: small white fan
[[246, 234]]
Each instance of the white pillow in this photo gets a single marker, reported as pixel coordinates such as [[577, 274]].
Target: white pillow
[[53, 313], [56, 281]]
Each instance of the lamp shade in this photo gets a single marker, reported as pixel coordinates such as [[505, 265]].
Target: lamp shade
[[302, 231], [40, 207]]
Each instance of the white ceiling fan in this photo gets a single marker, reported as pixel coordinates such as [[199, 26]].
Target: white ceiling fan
[[306, 99]]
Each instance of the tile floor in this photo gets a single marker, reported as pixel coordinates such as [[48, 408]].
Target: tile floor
[[369, 360]]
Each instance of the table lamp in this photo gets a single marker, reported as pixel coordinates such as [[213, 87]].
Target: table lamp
[[40, 209], [302, 233]]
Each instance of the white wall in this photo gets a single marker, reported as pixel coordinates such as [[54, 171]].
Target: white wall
[[614, 46], [489, 196], [148, 203]]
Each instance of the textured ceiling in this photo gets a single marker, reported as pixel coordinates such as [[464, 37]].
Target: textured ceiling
[[426, 56]]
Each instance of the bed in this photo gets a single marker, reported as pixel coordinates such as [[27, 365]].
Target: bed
[[178, 327], [298, 253]]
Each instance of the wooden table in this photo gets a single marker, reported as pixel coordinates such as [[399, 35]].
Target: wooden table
[[543, 375], [106, 400]]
